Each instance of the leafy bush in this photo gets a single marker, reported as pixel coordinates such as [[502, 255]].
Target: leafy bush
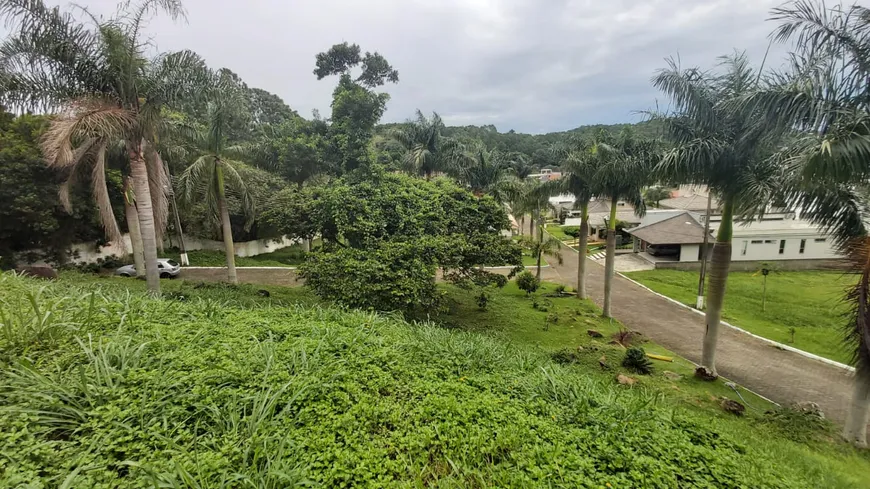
[[636, 361], [573, 231], [528, 282], [156, 393], [482, 299]]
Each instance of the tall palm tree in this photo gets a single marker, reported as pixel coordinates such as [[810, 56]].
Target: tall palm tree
[[723, 146], [487, 171], [824, 103], [96, 72], [427, 151], [213, 173], [622, 170], [578, 172]]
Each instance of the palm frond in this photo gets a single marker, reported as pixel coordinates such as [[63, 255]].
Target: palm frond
[[158, 184], [85, 119], [101, 197], [236, 185]]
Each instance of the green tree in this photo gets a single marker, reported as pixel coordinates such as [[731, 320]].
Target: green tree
[[356, 107], [721, 145], [652, 196], [213, 173], [487, 172], [577, 161], [427, 151], [297, 150], [823, 101], [538, 246], [107, 88], [622, 169]]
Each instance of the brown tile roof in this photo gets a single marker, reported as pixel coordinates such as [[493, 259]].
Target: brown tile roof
[[680, 229]]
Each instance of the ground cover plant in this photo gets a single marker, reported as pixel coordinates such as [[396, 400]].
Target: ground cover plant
[[808, 302], [222, 386]]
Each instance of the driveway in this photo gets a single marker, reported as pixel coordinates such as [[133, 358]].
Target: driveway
[[780, 375]]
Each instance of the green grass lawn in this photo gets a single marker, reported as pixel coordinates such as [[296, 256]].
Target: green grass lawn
[[809, 302], [290, 256], [216, 384]]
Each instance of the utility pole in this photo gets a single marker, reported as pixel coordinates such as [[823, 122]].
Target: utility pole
[[699, 304], [184, 260]]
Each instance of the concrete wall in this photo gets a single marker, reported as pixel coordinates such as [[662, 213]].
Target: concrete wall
[[751, 266], [766, 248], [88, 253], [689, 252]]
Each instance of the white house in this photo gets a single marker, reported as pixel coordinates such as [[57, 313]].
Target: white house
[[788, 239], [669, 236], [599, 214]]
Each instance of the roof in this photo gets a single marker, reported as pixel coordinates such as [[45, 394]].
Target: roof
[[784, 227], [682, 228], [597, 220], [694, 202]]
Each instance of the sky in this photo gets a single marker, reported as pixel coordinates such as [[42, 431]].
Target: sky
[[534, 66]]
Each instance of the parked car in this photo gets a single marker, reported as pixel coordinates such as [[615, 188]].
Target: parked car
[[663, 250], [168, 269]]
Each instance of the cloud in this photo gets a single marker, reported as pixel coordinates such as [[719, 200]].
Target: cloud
[[529, 65]]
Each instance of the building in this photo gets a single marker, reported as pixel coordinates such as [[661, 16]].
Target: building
[[546, 175], [669, 236], [599, 214], [787, 239]]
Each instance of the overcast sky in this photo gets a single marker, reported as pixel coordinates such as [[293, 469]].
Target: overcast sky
[[529, 65]]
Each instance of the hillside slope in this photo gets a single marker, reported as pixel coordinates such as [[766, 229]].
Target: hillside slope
[[217, 387]]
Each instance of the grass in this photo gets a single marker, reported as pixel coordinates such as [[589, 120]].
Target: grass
[[220, 386], [809, 302], [290, 256]]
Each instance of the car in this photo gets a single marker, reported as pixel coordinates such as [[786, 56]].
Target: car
[[663, 250], [168, 269]]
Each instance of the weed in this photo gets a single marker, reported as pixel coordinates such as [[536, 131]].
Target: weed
[[636, 361]]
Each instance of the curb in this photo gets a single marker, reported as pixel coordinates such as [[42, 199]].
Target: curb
[[238, 268]]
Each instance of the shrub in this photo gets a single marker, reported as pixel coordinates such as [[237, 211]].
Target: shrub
[[636, 361], [527, 282], [573, 231], [482, 300]]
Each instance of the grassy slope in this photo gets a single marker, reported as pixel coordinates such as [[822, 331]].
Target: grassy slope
[[229, 384], [810, 302]]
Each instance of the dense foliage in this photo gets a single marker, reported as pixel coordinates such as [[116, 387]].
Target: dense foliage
[[385, 235], [204, 390]]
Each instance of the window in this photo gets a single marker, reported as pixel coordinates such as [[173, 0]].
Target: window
[[781, 246], [770, 241], [820, 240], [745, 245], [757, 241], [803, 246]]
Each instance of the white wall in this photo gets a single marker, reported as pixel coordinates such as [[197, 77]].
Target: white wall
[[770, 251], [689, 252]]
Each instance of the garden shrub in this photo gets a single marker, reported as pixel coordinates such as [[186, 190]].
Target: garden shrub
[[573, 231], [527, 282], [637, 361]]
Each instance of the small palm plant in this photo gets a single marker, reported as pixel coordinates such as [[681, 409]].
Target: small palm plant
[[539, 247], [212, 174]]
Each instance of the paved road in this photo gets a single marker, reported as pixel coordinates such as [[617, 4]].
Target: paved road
[[780, 375]]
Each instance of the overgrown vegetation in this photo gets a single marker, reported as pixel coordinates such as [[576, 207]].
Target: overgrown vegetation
[[205, 391]]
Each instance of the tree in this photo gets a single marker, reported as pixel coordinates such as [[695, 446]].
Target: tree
[[823, 101], [578, 179], [622, 170], [721, 145], [538, 246], [296, 150], [487, 172], [212, 174], [109, 93], [427, 151], [389, 233], [652, 196], [356, 108]]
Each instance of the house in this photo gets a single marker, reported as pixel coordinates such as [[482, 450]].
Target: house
[[599, 214], [669, 236], [787, 239], [546, 175], [692, 203]]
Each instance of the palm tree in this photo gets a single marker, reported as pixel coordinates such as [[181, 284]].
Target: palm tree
[[427, 151], [108, 92], [209, 177], [725, 147], [487, 172], [622, 170], [538, 246], [824, 103], [578, 172]]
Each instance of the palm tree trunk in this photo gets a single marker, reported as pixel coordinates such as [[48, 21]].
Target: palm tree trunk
[[522, 224], [225, 224], [532, 226], [855, 430], [133, 228], [146, 217], [610, 256], [720, 262], [581, 250]]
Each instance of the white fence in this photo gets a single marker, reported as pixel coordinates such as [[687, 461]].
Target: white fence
[[88, 252]]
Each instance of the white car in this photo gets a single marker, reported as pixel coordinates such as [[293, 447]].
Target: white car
[[168, 269]]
